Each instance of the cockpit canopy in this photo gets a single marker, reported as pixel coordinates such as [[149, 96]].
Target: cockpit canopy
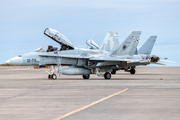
[[92, 44], [58, 37], [41, 49]]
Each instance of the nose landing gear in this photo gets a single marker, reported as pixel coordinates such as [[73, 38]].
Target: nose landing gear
[[53, 76], [52, 73]]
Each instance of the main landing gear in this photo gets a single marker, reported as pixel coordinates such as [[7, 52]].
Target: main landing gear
[[107, 75], [132, 71], [113, 71], [86, 76]]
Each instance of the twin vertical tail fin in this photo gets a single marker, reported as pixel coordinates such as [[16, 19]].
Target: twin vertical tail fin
[[147, 47], [111, 42], [129, 45]]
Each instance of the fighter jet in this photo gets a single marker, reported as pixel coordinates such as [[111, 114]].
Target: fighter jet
[[84, 61], [145, 53], [146, 49]]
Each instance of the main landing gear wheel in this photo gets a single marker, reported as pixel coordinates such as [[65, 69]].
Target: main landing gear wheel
[[86, 76], [107, 75], [113, 71], [132, 71]]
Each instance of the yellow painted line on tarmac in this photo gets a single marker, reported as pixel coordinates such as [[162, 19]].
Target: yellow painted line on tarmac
[[98, 101]]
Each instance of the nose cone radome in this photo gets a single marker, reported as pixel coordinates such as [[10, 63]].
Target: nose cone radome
[[7, 62], [15, 61]]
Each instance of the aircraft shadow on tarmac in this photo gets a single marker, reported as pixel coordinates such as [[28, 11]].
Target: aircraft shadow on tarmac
[[125, 74], [101, 78], [113, 77]]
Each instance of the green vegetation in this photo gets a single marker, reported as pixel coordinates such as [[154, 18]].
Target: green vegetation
[[7, 65], [4, 65]]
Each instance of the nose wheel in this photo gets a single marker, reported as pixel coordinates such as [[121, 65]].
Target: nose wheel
[[52, 73], [53, 76], [49, 76]]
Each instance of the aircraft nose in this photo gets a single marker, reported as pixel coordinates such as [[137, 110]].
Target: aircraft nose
[[15, 61], [8, 61]]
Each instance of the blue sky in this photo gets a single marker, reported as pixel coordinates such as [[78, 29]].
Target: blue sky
[[24, 21]]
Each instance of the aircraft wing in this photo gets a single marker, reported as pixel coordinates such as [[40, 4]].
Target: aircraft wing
[[115, 59], [108, 59]]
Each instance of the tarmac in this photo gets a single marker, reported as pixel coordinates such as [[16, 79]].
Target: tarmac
[[153, 93]]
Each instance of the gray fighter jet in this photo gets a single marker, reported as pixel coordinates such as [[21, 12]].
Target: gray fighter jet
[[101, 61]]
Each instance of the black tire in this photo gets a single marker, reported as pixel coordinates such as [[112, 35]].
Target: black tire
[[107, 75], [132, 71], [86, 76], [113, 72], [54, 77], [49, 76]]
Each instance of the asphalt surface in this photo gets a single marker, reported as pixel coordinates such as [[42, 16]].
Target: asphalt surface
[[153, 93]]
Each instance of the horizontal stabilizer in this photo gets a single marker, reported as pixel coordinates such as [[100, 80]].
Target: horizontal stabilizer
[[129, 45], [164, 60], [147, 47], [157, 63]]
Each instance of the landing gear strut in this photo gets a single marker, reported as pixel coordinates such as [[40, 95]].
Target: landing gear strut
[[86, 76], [53, 70], [113, 71], [107, 75], [52, 74]]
